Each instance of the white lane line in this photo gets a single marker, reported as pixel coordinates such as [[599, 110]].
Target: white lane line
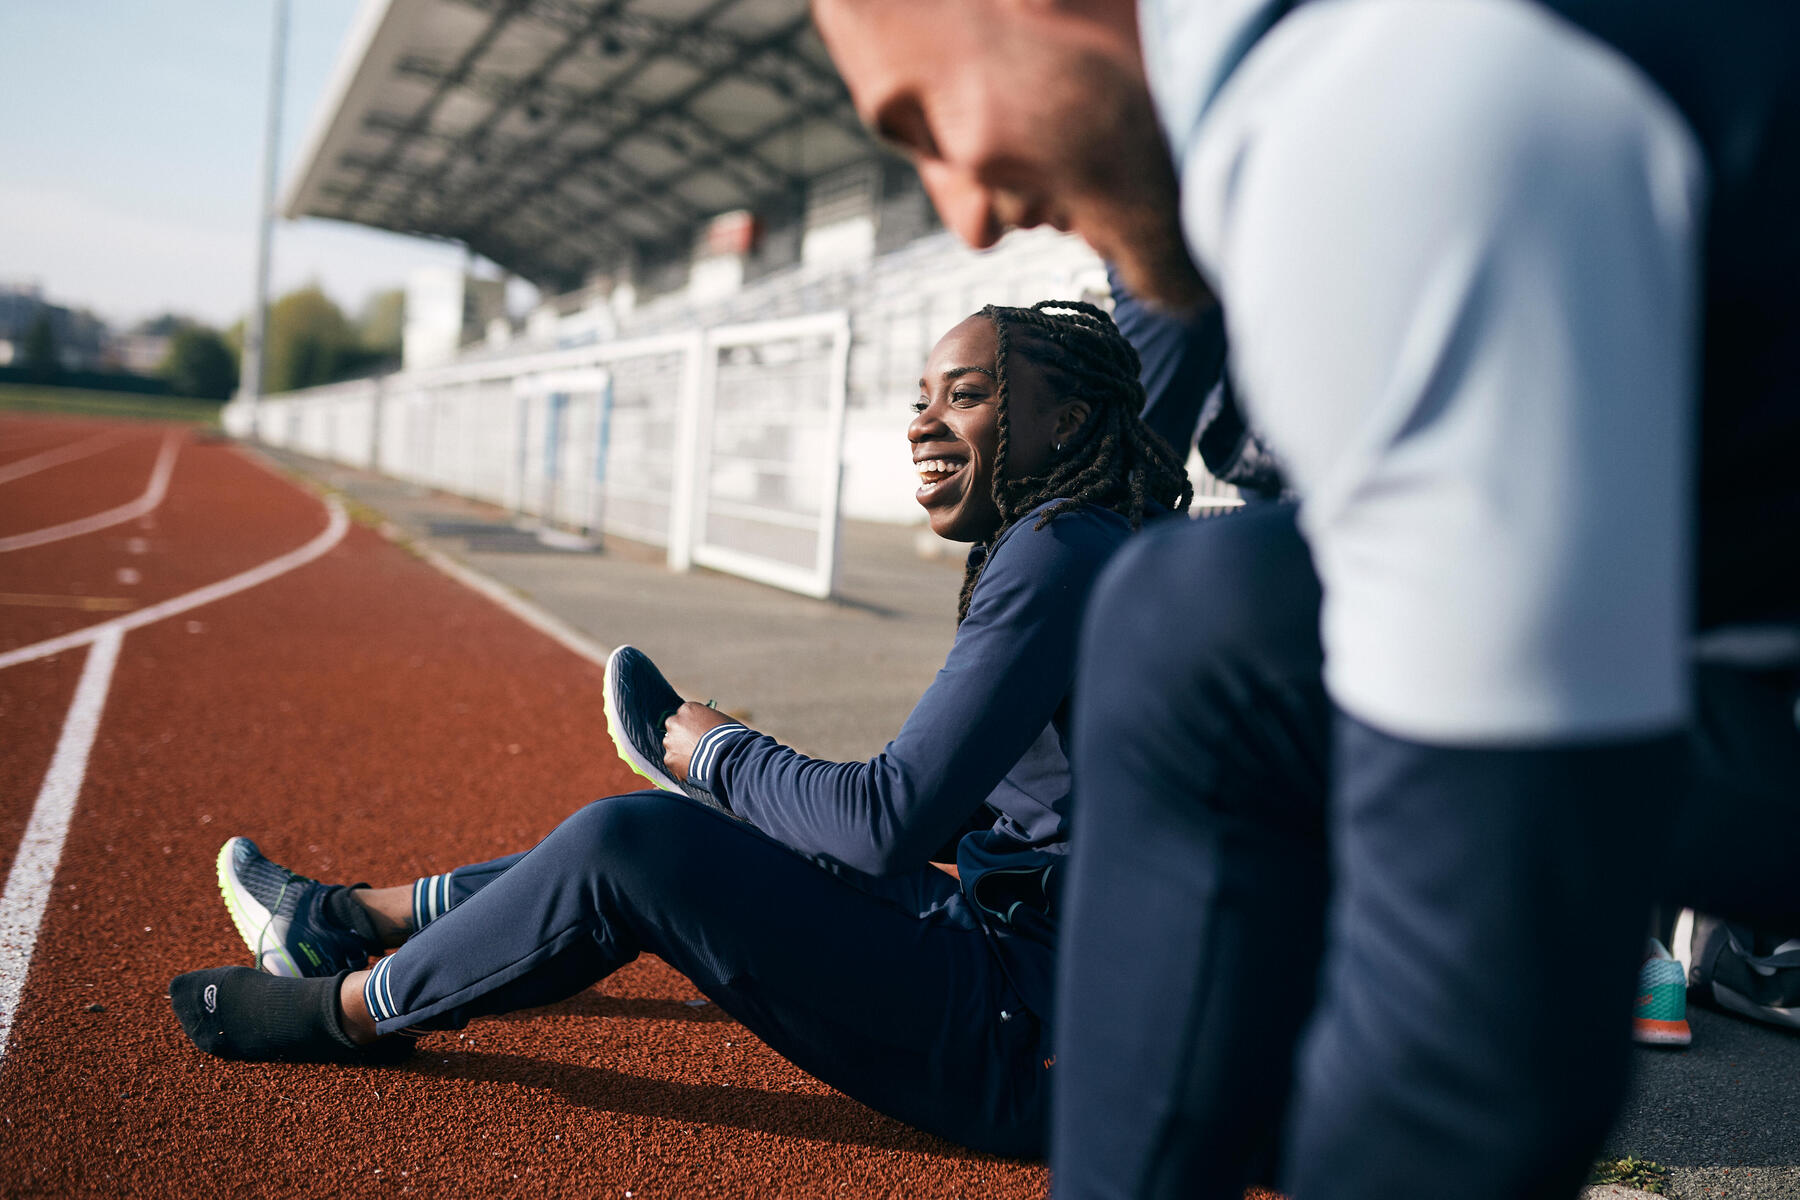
[[29, 883], [33, 872], [60, 455], [153, 496], [333, 534]]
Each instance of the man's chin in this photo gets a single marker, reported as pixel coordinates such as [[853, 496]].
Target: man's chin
[[1162, 277], [1143, 242]]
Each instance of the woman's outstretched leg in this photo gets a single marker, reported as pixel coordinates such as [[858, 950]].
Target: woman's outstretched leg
[[888, 990], [299, 926]]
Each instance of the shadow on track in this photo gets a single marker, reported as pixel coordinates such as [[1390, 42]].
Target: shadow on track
[[834, 1118]]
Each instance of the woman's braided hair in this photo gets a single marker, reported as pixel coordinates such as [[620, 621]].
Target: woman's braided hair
[[1114, 461]]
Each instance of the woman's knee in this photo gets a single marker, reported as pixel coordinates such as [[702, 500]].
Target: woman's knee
[[628, 830]]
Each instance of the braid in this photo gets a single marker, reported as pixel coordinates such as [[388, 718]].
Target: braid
[[1115, 461]]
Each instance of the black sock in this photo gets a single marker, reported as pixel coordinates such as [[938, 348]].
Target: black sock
[[238, 1012], [347, 911]]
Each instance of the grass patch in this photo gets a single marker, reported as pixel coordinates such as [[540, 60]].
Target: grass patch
[[80, 402], [1632, 1172]]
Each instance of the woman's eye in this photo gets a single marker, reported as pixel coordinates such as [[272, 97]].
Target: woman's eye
[[919, 405], [966, 397]]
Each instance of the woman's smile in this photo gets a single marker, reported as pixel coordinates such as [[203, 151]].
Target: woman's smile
[[955, 436], [934, 474]]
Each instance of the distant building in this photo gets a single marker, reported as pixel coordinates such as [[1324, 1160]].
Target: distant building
[[447, 308], [79, 335], [139, 353]]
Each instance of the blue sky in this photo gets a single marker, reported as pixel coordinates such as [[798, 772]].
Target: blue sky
[[130, 136]]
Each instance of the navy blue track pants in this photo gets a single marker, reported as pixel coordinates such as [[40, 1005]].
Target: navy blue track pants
[[1397, 970], [887, 989]]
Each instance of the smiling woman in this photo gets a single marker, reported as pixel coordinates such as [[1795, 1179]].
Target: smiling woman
[[1022, 408], [799, 895]]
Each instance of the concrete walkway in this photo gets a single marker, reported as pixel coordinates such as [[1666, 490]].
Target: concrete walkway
[[837, 678], [832, 678], [1722, 1114]]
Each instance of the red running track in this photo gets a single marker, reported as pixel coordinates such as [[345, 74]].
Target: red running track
[[363, 717]]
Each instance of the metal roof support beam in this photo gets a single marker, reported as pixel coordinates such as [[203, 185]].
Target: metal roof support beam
[[755, 197], [617, 114], [518, 93], [543, 145], [666, 206], [533, 154], [561, 217], [552, 241], [675, 103], [785, 73], [422, 119]]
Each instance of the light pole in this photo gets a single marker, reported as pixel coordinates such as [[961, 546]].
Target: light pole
[[250, 384]]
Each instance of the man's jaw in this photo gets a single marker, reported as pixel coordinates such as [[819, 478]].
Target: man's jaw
[[1153, 262]]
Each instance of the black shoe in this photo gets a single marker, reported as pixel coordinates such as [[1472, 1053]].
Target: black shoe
[[638, 703], [281, 916]]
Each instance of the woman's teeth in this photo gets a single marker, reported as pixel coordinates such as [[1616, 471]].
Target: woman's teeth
[[931, 470]]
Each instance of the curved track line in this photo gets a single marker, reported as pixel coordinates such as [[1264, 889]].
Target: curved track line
[[333, 534], [61, 454], [28, 884], [153, 496]]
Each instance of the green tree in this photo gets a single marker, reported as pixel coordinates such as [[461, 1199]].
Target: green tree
[[38, 355], [308, 342], [200, 364], [382, 323], [165, 325]]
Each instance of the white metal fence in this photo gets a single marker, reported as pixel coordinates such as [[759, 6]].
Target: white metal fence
[[770, 451], [724, 446]]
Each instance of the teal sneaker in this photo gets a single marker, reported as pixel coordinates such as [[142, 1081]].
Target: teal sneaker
[[1661, 1016]]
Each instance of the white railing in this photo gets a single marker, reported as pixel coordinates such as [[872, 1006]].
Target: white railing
[[723, 446]]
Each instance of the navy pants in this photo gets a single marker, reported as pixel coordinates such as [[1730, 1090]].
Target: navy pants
[[1395, 970], [887, 989]]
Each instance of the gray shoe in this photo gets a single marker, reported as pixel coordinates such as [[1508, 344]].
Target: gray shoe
[[281, 916]]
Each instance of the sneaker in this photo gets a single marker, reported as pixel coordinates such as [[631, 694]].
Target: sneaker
[[1661, 1017], [281, 916], [638, 703]]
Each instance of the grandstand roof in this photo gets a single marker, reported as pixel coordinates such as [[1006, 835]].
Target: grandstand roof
[[554, 136]]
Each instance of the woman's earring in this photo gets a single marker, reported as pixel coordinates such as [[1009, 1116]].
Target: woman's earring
[[1056, 446]]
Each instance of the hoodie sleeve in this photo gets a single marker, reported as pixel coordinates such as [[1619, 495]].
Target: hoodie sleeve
[[1007, 674]]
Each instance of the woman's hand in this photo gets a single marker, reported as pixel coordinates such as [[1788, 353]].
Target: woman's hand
[[683, 731]]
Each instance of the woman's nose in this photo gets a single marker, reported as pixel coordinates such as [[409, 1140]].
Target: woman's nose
[[925, 424]]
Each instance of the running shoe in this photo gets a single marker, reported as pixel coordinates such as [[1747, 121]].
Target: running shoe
[[639, 701], [1661, 1017], [281, 916]]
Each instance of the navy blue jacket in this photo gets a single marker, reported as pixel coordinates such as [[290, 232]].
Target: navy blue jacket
[[992, 729], [1188, 394]]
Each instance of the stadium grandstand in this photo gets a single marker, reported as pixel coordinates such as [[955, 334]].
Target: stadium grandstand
[[740, 286]]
